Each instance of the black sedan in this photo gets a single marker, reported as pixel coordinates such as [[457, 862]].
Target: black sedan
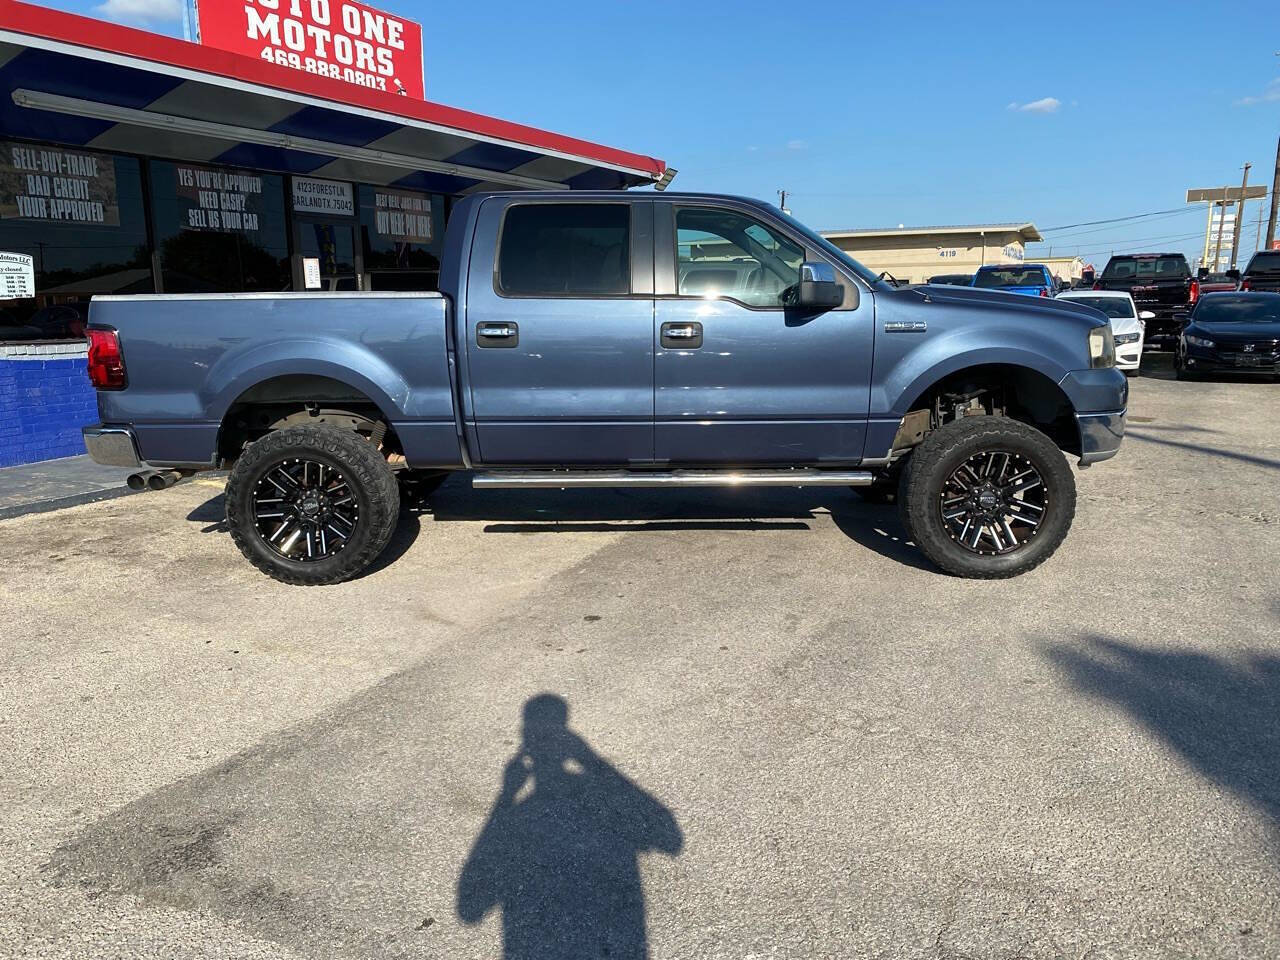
[[1237, 332]]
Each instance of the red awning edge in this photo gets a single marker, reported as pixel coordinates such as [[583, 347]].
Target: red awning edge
[[103, 36]]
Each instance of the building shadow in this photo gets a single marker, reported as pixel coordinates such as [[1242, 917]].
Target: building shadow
[[1220, 715], [559, 853], [1141, 437]]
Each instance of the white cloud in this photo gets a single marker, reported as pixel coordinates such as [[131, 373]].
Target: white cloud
[[1269, 95], [797, 144], [149, 11], [1045, 105]]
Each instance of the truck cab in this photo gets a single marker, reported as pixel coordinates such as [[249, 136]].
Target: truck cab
[[607, 339]]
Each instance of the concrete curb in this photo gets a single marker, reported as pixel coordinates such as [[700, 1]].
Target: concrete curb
[[59, 503]]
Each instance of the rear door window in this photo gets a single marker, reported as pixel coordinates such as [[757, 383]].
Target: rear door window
[[578, 250]]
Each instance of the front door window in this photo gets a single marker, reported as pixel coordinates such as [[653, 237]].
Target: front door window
[[725, 254]]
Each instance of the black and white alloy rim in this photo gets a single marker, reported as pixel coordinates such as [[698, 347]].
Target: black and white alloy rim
[[994, 502], [305, 510]]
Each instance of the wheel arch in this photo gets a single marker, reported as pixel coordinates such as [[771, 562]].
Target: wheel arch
[[1029, 393], [288, 398]]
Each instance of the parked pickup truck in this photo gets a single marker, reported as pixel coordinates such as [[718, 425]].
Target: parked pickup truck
[[615, 340], [1262, 275], [1160, 283]]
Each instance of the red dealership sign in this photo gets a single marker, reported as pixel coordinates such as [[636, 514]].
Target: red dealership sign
[[334, 38]]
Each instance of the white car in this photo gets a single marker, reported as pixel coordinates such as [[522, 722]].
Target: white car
[[1128, 326]]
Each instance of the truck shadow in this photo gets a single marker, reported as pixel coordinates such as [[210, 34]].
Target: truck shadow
[[873, 527]]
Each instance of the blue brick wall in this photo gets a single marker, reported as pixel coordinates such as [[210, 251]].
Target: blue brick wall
[[43, 405]]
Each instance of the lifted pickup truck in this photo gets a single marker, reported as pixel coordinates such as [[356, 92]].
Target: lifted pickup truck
[[616, 340], [1160, 283]]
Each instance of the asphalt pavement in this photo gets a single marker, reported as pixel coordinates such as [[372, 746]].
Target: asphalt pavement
[[666, 723]]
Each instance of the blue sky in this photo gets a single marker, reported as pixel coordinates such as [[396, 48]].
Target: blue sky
[[869, 116]]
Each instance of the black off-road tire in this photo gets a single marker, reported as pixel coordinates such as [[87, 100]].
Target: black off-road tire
[[371, 481], [942, 452]]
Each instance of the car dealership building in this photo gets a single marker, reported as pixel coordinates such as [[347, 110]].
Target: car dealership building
[[132, 162]]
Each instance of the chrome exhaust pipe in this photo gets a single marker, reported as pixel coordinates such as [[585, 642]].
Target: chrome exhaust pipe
[[163, 479], [139, 481]]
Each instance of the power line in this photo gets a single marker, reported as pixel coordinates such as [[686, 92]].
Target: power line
[[1075, 235], [1136, 216]]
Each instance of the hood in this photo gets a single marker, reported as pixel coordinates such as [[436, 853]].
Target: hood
[[1256, 330], [1046, 308]]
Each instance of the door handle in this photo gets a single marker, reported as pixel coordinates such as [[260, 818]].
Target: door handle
[[498, 334], [681, 336]]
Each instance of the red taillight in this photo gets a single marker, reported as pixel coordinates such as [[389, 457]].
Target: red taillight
[[106, 365], [1195, 292], [1044, 292], [1097, 284], [1244, 285]]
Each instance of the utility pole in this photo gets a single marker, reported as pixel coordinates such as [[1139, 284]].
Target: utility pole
[[1275, 200], [1235, 240]]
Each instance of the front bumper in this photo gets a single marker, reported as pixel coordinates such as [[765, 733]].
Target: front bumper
[[1226, 359], [111, 446], [1100, 435]]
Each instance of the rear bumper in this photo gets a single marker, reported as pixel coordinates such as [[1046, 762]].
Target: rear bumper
[[1100, 435], [111, 446]]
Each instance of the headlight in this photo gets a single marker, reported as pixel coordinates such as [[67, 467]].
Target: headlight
[[1197, 341], [1102, 347], [1123, 338]]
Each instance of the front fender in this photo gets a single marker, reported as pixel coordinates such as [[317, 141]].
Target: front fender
[[933, 360]]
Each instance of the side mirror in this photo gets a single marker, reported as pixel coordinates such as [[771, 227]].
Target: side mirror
[[1202, 272], [1146, 315], [818, 288], [1233, 274]]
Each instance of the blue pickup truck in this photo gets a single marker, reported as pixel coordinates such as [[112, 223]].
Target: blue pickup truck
[[615, 340]]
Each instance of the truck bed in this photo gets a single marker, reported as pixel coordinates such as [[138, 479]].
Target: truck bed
[[191, 356]]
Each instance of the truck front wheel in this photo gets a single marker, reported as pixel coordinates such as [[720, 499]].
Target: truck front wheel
[[987, 497], [312, 504]]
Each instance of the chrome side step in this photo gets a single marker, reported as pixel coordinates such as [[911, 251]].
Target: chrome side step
[[508, 479]]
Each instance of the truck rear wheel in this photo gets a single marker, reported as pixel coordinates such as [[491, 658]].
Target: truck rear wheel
[[312, 504], [987, 497]]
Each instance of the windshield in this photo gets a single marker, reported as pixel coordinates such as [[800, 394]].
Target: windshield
[[1148, 268], [829, 248], [1010, 277], [1224, 308], [1265, 263], [1117, 308]]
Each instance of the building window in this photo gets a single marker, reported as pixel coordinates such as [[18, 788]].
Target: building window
[[79, 215], [402, 232], [565, 250], [219, 230]]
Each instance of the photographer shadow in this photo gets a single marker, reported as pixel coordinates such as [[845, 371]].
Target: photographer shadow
[[559, 854]]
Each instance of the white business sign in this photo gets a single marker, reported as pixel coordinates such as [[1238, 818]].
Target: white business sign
[[330, 197], [17, 276], [311, 273]]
